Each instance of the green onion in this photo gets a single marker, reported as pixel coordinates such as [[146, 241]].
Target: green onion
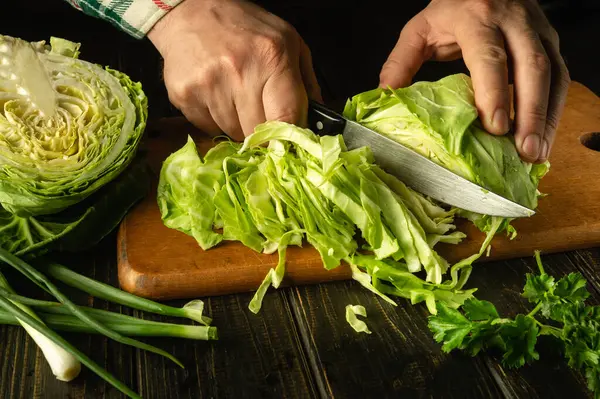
[[22, 299], [122, 322], [126, 325], [40, 279], [63, 364], [54, 337], [192, 310]]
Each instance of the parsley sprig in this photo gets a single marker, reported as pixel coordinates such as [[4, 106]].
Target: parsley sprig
[[559, 311]]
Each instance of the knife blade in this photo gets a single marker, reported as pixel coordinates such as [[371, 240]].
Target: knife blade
[[414, 169]]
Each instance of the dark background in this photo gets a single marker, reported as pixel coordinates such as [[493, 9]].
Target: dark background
[[349, 40]]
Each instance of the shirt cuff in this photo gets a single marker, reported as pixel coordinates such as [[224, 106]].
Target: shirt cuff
[[142, 15], [135, 17]]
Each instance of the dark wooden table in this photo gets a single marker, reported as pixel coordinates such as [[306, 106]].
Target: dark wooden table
[[299, 345]]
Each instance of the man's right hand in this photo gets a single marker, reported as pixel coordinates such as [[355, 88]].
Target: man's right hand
[[230, 65]]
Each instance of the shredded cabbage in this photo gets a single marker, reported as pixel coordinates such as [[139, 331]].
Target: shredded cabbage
[[302, 186]]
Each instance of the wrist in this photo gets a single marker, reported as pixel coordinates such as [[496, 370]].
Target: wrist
[[166, 27], [160, 29]]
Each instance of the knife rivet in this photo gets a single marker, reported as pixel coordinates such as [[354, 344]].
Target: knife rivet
[[320, 125]]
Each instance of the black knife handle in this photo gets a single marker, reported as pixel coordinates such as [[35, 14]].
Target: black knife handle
[[324, 121]]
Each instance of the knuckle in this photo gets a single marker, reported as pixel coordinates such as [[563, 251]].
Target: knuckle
[[496, 94], [206, 77], [537, 113], [183, 91], [418, 25], [520, 12], [229, 62], [539, 62], [180, 92], [493, 54], [273, 47], [287, 30], [552, 122], [484, 9]]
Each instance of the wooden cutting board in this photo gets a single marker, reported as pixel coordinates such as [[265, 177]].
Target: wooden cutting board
[[161, 263]]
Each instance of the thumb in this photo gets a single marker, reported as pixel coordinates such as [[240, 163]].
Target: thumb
[[407, 56]]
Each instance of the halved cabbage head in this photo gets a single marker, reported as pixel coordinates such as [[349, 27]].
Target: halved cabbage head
[[67, 126]]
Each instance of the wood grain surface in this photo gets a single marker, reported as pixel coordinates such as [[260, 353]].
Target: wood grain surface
[[255, 356], [158, 262], [400, 360]]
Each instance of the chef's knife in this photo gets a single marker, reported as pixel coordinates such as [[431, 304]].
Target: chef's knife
[[415, 170]]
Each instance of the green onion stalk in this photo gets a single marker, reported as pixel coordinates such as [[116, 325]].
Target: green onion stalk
[[57, 317], [192, 310], [63, 364], [65, 316]]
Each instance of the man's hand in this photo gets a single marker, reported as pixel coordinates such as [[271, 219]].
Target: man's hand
[[230, 65], [490, 34]]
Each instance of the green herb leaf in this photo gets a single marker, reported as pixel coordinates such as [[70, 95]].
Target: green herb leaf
[[572, 288], [520, 336], [450, 327], [592, 376], [478, 310], [537, 287]]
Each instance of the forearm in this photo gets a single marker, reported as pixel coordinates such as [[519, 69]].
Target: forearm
[[135, 17]]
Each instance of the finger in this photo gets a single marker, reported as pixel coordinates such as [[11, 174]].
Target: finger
[[250, 109], [532, 78], [284, 97], [308, 74], [224, 113], [559, 87], [485, 56], [201, 118], [407, 56]]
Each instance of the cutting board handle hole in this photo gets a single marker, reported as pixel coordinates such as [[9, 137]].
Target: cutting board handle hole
[[591, 141]]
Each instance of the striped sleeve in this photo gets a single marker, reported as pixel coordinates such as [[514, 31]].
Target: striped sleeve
[[135, 17]]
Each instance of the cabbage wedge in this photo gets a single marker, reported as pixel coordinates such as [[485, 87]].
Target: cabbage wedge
[[67, 126]]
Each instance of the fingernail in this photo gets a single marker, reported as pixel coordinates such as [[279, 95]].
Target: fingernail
[[500, 120], [544, 151], [531, 146]]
